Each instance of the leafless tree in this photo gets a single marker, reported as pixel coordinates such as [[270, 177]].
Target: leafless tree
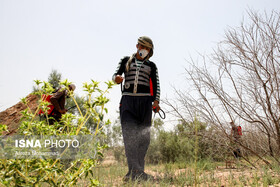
[[240, 81]]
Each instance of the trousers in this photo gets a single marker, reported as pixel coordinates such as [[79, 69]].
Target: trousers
[[136, 115], [136, 142]]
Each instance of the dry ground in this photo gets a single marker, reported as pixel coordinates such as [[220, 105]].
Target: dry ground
[[110, 173]]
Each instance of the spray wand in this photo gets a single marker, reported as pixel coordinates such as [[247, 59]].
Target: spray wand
[[161, 113]]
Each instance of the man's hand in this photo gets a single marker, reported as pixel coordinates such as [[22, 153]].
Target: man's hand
[[63, 111], [156, 106], [118, 79]]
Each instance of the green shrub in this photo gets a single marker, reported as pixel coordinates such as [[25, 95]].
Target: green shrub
[[55, 172]]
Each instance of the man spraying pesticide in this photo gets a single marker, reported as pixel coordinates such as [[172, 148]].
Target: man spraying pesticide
[[140, 95]]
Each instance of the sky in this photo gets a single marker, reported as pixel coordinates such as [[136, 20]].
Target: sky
[[85, 39]]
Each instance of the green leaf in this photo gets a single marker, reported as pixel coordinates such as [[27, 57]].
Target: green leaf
[[94, 182], [38, 82]]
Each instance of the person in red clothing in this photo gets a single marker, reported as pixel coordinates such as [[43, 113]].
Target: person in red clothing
[[235, 138], [58, 101]]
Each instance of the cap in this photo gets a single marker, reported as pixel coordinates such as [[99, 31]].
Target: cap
[[147, 42]]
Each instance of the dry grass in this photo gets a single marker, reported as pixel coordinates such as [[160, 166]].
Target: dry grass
[[110, 173]]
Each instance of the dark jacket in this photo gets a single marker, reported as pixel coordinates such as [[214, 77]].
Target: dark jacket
[[147, 76], [58, 101]]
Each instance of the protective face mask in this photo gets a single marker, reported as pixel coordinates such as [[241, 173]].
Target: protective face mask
[[143, 53]]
